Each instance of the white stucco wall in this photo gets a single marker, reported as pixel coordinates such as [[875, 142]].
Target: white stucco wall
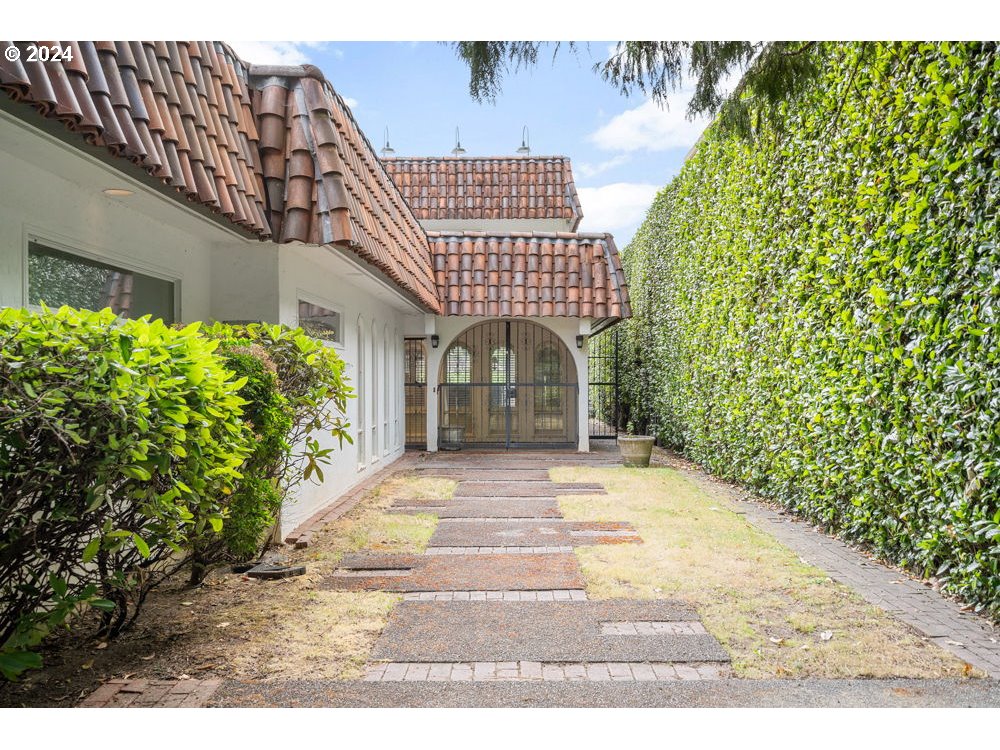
[[326, 278], [55, 196]]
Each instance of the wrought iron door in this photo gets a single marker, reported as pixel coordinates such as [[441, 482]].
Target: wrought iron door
[[508, 383], [415, 392], [604, 407]]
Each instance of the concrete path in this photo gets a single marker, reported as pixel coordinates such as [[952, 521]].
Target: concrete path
[[563, 693], [495, 614]]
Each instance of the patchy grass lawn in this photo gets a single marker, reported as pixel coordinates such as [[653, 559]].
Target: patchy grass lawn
[[768, 608], [240, 628]]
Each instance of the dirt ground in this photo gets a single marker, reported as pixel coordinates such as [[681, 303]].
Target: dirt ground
[[241, 628]]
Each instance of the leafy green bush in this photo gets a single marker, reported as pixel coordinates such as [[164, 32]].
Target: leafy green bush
[[816, 311], [119, 442], [311, 378], [294, 387], [253, 506]]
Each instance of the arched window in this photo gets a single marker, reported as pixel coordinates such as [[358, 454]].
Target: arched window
[[503, 371], [458, 365], [457, 376], [548, 365], [548, 375]]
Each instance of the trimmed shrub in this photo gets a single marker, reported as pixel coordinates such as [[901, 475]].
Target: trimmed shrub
[[816, 311], [119, 441], [311, 379], [254, 504], [294, 387]]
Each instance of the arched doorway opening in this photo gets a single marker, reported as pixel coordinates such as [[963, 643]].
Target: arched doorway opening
[[509, 383]]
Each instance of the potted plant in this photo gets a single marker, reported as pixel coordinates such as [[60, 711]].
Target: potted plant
[[452, 437], [636, 449]]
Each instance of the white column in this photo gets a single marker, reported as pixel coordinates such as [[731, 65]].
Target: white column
[[583, 378], [433, 368]]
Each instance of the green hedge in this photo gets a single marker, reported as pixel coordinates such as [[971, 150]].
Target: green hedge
[[816, 310], [130, 450], [119, 443]]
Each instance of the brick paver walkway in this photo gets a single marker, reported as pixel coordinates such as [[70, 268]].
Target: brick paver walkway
[[967, 635], [503, 526], [151, 694]]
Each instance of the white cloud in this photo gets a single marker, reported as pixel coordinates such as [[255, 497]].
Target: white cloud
[[279, 53], [650, 127], [619, 205], [351, 102], [587, 170]]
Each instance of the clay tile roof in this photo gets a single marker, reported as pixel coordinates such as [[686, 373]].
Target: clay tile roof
[[503, 187], [153, 104], [274, 151], [525, 274], [325, 185]]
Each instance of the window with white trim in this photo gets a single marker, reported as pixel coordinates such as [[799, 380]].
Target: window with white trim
[[57, 278], [320, 322]]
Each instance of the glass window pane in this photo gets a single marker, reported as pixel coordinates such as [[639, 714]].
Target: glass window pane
[[59, 278], [319, 322], [458, 365]]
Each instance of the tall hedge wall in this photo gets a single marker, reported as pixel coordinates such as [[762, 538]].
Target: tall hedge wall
[[816, 310]]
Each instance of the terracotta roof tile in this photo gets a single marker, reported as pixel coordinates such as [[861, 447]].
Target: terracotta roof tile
[[508, 187], [526, 274], [135, 99]]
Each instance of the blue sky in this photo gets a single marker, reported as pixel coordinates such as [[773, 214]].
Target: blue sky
[[623, 149]]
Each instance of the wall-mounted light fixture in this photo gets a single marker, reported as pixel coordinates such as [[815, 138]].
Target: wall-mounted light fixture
[[435, 340], [579, 341], [117, 192]]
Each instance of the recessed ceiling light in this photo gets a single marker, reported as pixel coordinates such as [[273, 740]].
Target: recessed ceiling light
[[118, 192]]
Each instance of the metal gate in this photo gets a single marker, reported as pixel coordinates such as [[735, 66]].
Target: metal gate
[[604, 408], [507, 383], [415, 390]]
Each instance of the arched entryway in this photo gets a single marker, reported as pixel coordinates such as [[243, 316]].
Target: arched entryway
[[508, 383]]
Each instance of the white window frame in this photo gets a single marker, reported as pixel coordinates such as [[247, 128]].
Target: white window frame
[[361, 393], [315, 299], [98, 255], [373, 448], [387, 383]]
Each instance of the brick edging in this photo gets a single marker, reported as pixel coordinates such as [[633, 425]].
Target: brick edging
[[144, 693], [301, 536]]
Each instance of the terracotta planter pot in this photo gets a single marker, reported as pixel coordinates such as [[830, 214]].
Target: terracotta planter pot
[[636, 449]]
